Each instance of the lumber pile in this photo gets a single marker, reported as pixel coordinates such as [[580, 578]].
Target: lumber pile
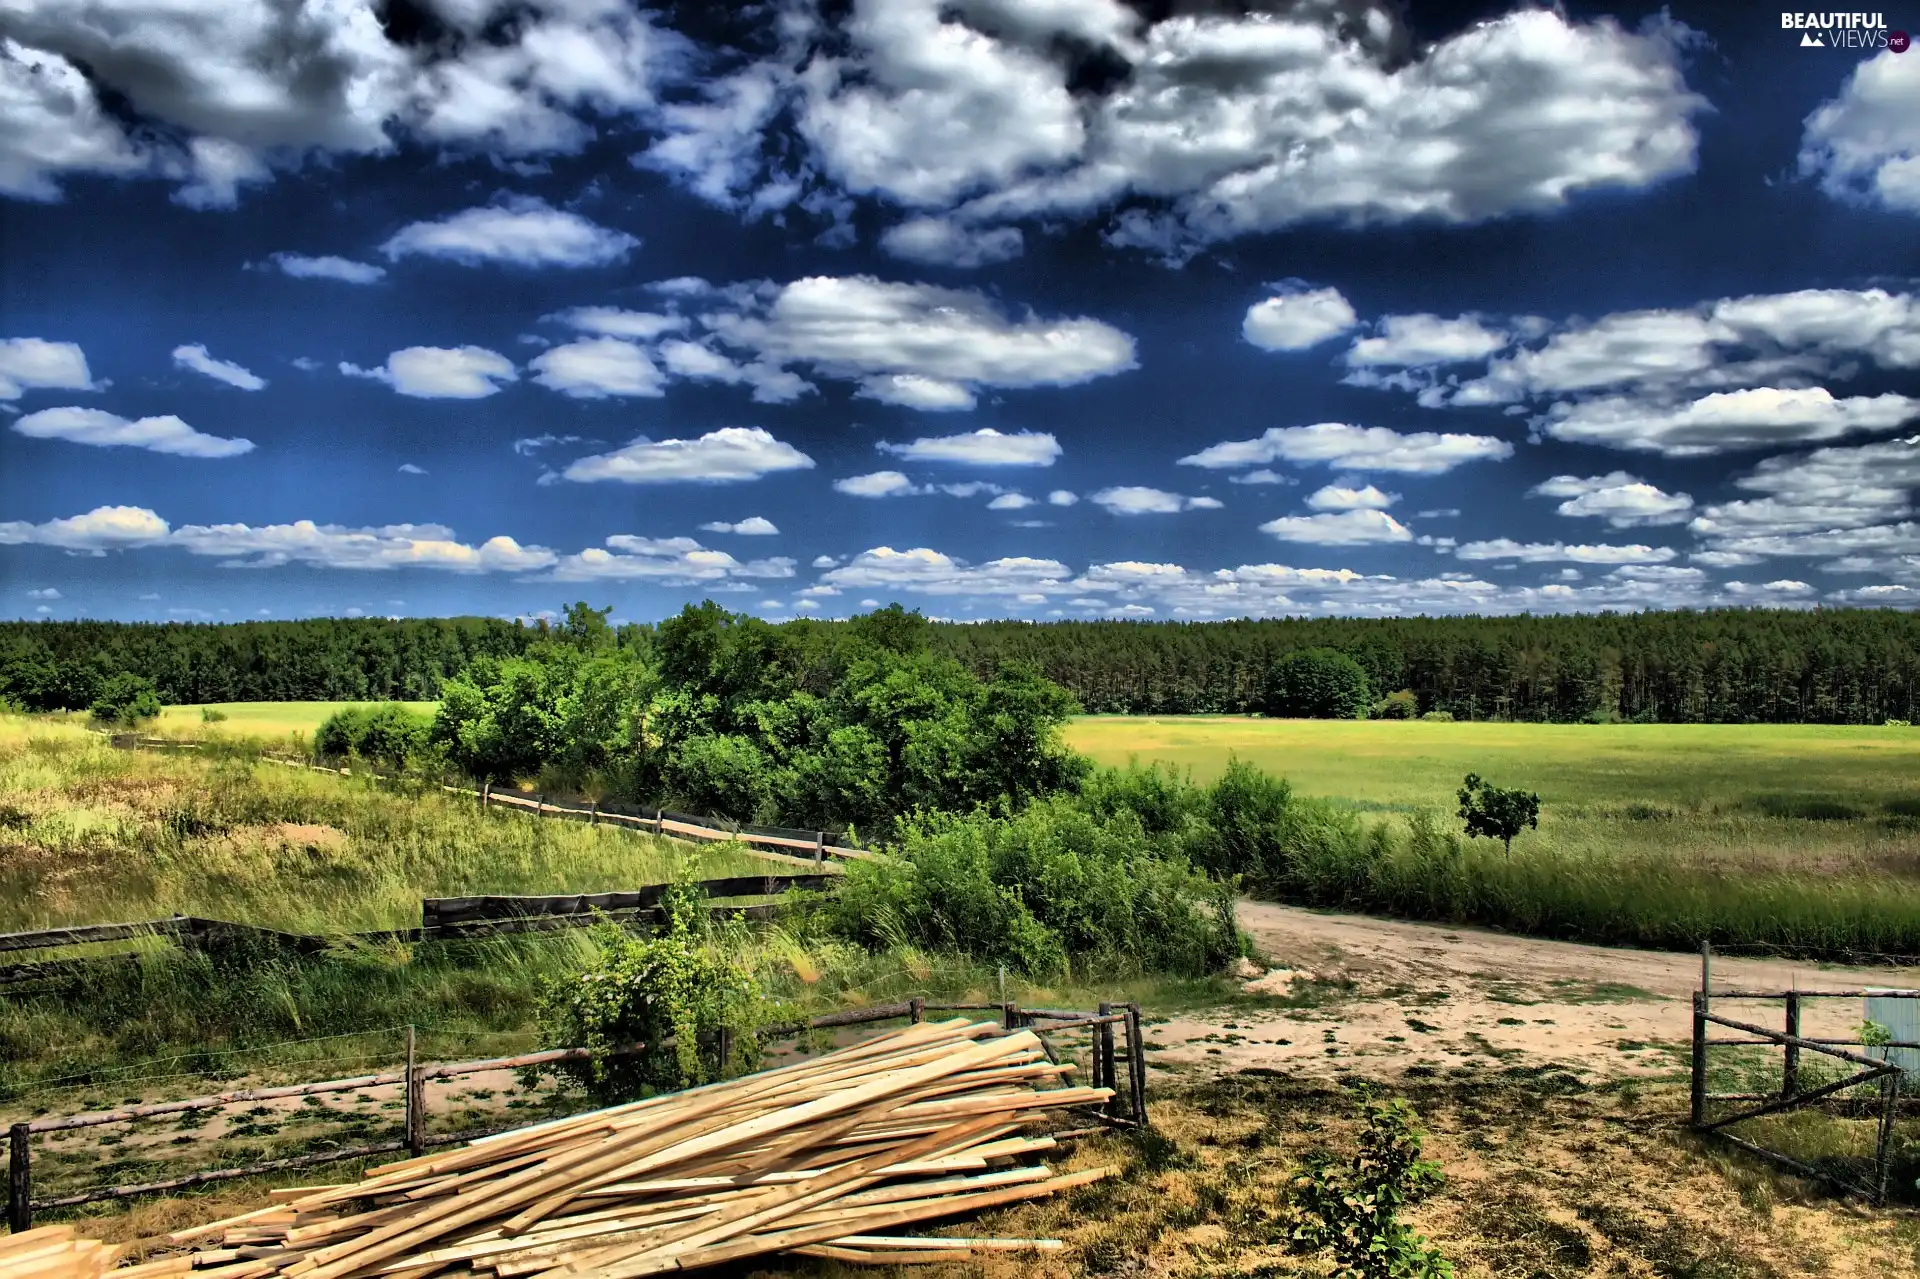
[[824, 1158], [54, 1252]]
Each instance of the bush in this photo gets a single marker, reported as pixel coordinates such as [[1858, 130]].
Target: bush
[[125, 699], [721, 774], [1317, 683], [389, 736], [1399, 705], [1497, 813], [1438, 717], [208, 715], [1051, 890], [1353, 1210], [664, 991]]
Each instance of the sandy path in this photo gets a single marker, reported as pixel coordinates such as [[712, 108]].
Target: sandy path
[[1444, 999]]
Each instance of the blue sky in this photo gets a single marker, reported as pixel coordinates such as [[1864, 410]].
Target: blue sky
[[1063, 309]]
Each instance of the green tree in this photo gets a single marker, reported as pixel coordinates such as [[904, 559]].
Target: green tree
[[1317, 683], [1497, 813], [125, 699]]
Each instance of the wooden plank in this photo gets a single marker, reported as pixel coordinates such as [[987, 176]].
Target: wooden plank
[[95, 1118], [50, 938]]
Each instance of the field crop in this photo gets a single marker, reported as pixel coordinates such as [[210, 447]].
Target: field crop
[[258, 719]]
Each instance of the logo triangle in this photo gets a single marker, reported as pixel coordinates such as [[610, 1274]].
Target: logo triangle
[[1812, 41]]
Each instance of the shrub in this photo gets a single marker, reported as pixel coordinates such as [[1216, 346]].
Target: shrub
[[1438, 717], [389, 735], [1398, 705], [723, 774], [1352, 1210], [664, 991], [127, 699], [1497, 813], [208, 715], [1317, 683], [1898, 723]]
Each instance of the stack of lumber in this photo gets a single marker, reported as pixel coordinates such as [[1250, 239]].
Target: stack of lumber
[[54, 1252], [821, 1158]]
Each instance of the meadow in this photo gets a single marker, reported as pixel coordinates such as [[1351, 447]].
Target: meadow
[[257, 719]]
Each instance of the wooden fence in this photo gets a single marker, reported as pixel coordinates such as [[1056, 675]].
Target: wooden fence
[[441, 919], [1868, 1070], [1127, 1108]]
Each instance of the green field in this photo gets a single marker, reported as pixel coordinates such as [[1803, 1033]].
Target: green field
[[1394, 764], [259, 719]]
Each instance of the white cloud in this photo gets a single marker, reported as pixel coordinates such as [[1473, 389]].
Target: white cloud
[[878, 484], [1352, 527], [198, 360], [444, 373], [1062, 497], [521, 231], [102, 529], [1425, 340], [1135, 499], [1298, 319], [752, 526], [944, 242], [1340, 497], [328, 267], [529, 445], [668, 561], [1010, 502], [1548, 552], [985, 447], [863, 329], [641, 326], [912, 391], [1760, 417], [334, 546], [45, 593], [408, 468], [97, 427], [1781, 587], [729, 454], [1725, 559], [1865, 143], [1355, 448], [771, 384], [35, 363], [1833, 501], [54, 124], [595, 368], [1623, 500], [1264, 475], [929, 572]]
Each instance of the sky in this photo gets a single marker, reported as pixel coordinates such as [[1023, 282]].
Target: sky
[[995, 308]]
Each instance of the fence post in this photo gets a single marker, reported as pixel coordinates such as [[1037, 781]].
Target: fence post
[[19, 1181], [1109, 1077], [1010, 1016], [819, 847], [485, 787], [1790, 1075], [659, 821], [539, 804], [725, 1048], [593, 813], [1699, 1057], [917, 1009], [416, 1101], [1137, 1065], [1883, 1145]]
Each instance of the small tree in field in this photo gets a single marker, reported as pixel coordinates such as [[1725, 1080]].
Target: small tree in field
[[1497, 813]]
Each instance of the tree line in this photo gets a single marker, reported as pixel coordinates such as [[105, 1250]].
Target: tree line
[[1845, 666]]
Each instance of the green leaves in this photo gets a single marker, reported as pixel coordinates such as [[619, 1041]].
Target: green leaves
[[1352, 1210], [1496, 813], [1317, 683]]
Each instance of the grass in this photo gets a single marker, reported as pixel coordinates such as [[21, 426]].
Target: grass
[[270, 720]]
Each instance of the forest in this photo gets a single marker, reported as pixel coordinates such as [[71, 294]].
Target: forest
[[1826, 666]]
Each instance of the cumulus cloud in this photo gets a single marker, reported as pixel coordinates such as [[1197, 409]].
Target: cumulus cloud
[[610, 321], [912, 391], [333, 546], [929, 572], [1425, 340], [667, 561], [878, 484], [1010, 502], [216, 95], [1062, 497], [1297, 319], [408, 468], [752, 526], [1623, 500], [1760, 417], [1351, 527], [985, 447], [771, 384], [97, 427], [1548, 552], [1865, 143], [595, 368], [44, 593], [103, 529], [1354, 448], [35, 363], [522, 231], [730, 454], [442, 373], [1135, 499], [1341, 497], [328, 267], [944, 242], [1264, 475], [1832, 501], [197, 359]]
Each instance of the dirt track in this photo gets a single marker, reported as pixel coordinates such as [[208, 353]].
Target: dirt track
[[1458, 999]]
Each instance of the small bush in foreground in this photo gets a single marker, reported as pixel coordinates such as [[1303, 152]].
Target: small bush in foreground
[[389, 736], [1352, 1210], [125, 699], [1495, 812]]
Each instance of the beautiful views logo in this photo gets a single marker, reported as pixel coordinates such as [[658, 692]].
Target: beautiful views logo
[[1864, 31]]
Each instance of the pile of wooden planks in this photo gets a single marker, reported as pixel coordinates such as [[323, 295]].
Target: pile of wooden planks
[[820, 1158], [54, 1252]]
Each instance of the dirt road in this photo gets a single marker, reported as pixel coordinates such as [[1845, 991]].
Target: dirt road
[[1379, 996]]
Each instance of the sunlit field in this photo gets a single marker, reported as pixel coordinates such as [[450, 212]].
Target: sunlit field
[[258, 719]]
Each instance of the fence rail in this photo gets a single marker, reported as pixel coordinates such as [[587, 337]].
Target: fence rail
[[1869, 1070], [1126, 1109], [441, 919]]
